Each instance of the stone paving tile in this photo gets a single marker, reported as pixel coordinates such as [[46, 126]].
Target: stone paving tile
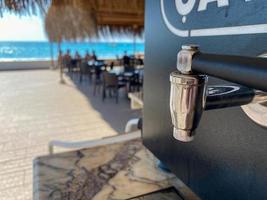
[[35, 109], [11, 180]]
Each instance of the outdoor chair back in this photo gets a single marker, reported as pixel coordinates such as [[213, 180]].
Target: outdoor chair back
[[110, 79], [85, 69], [135, 83], [66, 63], [98, 72], [112, 84], [97, 77]]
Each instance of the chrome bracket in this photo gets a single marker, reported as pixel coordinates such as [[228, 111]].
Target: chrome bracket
[[184, 58]]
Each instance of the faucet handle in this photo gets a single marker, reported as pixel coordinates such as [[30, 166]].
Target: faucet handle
[[243, 70], [184, 58], [187, 101], [188, 96]]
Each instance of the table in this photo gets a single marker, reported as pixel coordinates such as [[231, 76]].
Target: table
[[119, 70], [166, 194], [136, 100], [114, 171]]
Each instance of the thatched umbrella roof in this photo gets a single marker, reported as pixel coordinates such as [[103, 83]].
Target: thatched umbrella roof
[[23, 7], [69, 22], [82, 19], [121, 14]]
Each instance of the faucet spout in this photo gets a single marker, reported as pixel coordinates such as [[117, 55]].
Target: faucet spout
[[190, 96], [187, 101]]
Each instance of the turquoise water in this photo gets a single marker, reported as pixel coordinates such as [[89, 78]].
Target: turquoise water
[[12, 51]]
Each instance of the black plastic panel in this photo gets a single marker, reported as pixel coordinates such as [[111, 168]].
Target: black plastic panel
[[228, 158]]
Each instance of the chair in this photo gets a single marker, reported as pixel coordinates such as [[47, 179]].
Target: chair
[[92, 143], [133, 130], [111, 65], [85, 69], [97, 78], [135, 83], [129, 68], [112, 84], [66, 63], [75, 65], [134, 124]]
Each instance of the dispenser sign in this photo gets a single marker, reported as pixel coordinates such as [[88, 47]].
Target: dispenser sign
[[218, 90], [186, 7]]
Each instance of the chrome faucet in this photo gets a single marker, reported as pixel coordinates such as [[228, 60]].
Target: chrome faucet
[[190, 95]]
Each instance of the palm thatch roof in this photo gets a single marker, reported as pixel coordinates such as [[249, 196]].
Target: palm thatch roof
[[81, 19], [23, 7], [120, 13], [69, 22]]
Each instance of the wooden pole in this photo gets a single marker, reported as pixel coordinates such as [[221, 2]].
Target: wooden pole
[[134, 42], [60, 63], [52, 56]]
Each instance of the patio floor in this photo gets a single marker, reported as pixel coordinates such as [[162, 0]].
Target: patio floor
[[35, 109]]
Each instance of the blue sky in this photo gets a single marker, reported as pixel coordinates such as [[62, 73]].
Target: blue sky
[[24, 28], [31, 28]]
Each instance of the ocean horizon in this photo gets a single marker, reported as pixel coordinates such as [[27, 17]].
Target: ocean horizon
[[41, 50]]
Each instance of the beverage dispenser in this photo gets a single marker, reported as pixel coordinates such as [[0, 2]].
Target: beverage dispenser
[[205, 110]]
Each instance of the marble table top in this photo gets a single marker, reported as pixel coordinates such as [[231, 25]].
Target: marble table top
[[115, 171], [165, 194]]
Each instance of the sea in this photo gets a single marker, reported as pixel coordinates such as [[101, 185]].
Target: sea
[[35, 51]]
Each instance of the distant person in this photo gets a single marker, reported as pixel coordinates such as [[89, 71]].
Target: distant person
[[67, 60], [126, 60], [87, 57], [77, 56], [94, 57], [60, 59], [77, 60], [112, 65], [60, 65], [67, 55], [118, 61], [140, 60]]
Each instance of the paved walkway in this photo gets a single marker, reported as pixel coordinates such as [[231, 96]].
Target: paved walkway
[[35, 109]]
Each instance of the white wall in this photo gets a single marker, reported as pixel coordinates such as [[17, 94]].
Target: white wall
[[20, 65]]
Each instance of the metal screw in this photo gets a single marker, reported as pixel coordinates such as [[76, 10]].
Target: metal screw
[[190, 47]]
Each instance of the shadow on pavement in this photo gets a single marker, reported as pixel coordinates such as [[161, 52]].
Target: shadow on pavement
[[116, 115]]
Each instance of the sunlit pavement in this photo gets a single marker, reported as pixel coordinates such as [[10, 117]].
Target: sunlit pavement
[[35, 109]]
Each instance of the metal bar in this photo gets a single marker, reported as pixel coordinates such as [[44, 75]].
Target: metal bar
[[247, 71], [224, 96]]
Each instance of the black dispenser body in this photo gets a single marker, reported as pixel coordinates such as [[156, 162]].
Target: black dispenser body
[[228, 157]]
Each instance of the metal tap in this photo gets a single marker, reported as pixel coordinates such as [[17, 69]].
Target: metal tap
[[190, 95]]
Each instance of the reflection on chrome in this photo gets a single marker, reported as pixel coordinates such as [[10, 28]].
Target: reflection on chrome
[[187, 100]]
